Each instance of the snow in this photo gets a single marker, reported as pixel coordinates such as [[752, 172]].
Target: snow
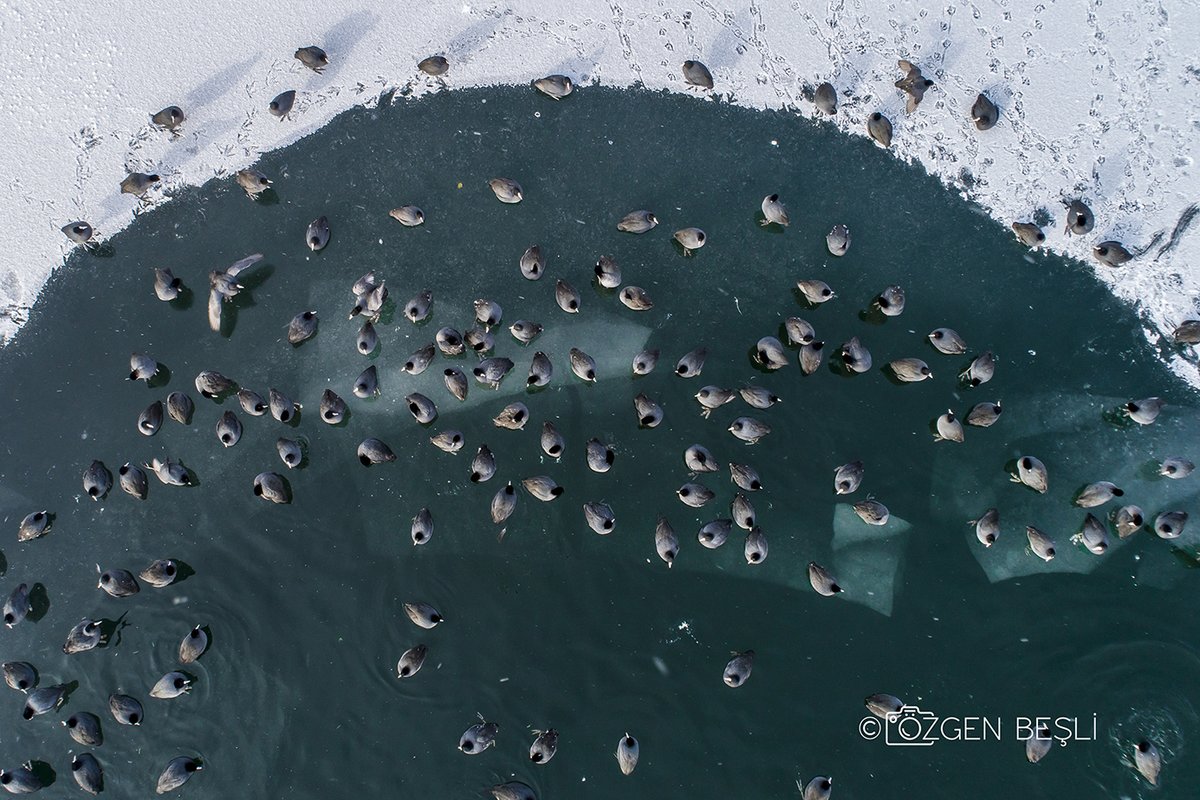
[[1098, 100]]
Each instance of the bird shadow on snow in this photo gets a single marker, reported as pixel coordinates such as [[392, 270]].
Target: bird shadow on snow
[[345, 34], [220, 83], [468, 41], [722, 51]]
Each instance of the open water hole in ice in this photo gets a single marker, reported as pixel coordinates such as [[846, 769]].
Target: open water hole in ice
[[554, 626]]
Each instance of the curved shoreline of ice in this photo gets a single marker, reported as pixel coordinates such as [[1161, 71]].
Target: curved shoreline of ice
[[1097, 101]]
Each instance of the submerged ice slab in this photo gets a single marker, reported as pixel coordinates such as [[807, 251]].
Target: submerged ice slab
[[867, 559], [1081, 439]]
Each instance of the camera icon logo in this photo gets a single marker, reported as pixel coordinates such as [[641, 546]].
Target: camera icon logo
[[911, 726]]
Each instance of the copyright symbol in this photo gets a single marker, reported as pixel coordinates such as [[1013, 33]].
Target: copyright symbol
[[869, 728]]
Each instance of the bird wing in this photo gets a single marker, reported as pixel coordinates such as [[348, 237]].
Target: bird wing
[[214, 310], [237, 267]]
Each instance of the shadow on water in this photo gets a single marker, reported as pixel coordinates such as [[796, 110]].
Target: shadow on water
[[553, 625], [39, 602]]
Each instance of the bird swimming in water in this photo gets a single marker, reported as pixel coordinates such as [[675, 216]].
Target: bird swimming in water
[[20, 675], [910, 370], [745, 477], [252, 402], [88, 773], [848, 477], [774, 211], [483, 466], [822, 581], [1148, 761], [33, 525], [738, 670], [171, 685], [856, 358], [532, 263], [166, 286], [97, 480], [504, 503], [142, 367], [84, 727], [408, 216], [478, 737], [645, 362], [698, 459], [666, 542], [317, 234], [987, 527], [179, 770], [302, 327], [639, 221], [981, 370], [1041, 544], [125, 709], [628, 752], [1038, 744], [1145, 411], [86, 635], [1032, 472], [567, 298], [890, 301], [690, 239], [118, 583], [544, 746], [635, 298], [193, 645], [984, 415], [583, 365], [872, 512], [946, 340], [759, 396], [448, 441], [506, 190], [1175, 467], [542, 487], [1097, 494], [17, 606], [418, 308], [837, 241], [815, 291], [411, 661], [711, 398]]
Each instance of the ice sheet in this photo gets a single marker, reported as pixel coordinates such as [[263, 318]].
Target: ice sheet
[[1098, 101]]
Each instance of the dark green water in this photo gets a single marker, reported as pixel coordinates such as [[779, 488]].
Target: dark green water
[[554, 625]]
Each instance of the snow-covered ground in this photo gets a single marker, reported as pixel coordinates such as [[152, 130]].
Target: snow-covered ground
[[1098, 99]]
